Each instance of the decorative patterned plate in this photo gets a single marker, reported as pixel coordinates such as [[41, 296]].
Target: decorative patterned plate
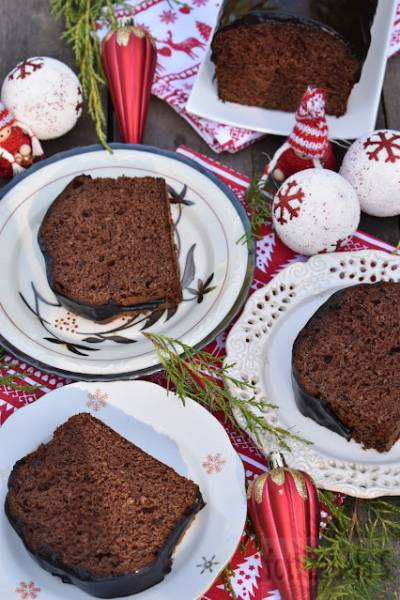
[[188, 438], [363, 102], [260, 345], [216, 270]]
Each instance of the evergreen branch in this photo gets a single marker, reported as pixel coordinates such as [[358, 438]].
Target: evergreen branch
[[201, 376], [259, 203], [80, 18], [356, 556], [8, 379]]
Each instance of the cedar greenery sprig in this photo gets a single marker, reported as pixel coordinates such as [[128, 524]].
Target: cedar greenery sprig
[[259, 203], [80, 17], [8, 380], [199, 375], [356, 557]]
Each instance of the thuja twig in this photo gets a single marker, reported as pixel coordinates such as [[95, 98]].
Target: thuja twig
[[199, 375], [8, 379]]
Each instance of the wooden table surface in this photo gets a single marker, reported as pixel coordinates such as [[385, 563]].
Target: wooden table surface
[[27, 29]]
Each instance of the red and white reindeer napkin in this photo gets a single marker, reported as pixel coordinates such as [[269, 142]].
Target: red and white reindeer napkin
[[181, 30], [249, 579]]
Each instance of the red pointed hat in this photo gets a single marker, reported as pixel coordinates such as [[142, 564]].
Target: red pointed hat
[[6, 118], [310, 133]]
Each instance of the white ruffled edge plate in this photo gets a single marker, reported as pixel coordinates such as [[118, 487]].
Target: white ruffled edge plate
[[188, 438], [260, 346]]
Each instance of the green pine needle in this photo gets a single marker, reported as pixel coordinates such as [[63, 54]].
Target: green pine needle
[[8, 379], [259, 204], [356, 557], [199, 375], [80, 17]]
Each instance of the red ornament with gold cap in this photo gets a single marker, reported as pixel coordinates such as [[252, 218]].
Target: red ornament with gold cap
[[308, 145], [285, 511], [129, 59]]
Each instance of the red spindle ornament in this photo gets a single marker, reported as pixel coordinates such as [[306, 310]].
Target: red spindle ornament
[[285, 511], [129, 57]]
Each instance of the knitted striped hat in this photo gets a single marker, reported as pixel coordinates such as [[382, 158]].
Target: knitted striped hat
[[310, 133], [6, 118]]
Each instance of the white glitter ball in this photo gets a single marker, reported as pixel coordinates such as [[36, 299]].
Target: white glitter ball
[[44, 94], [315, 211], [372, 166]]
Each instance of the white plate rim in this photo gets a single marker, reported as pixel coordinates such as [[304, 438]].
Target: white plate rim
[[362, 480], [236, 307], [233, 464]]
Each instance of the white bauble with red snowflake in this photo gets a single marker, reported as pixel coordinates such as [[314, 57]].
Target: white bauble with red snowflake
[[44, 94], [315, 210], [372, 166]]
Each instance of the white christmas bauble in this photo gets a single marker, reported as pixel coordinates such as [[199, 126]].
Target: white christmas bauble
[[372, 166], [44, 94], [315, 210]]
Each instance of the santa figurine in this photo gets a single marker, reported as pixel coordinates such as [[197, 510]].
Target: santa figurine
[[308, 145], [18, 145]]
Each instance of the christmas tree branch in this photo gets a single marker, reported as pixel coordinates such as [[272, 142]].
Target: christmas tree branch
[[356, 557], [80, 20], [259, 204], [7, 379], [199, 375]]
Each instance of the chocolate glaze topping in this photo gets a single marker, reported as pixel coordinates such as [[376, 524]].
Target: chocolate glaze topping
[[117, 586], [350, 19]]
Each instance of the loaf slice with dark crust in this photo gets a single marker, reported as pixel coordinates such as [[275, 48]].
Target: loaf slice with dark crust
[[98, 511], [346, 364], [109, 248]]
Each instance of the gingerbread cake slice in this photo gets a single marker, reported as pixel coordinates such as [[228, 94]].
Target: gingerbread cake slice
[[346, 365], [109, 247], [96, 510]]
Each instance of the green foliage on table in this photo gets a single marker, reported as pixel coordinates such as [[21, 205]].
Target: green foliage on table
[[357, 556], [8, 378], [80, 18]]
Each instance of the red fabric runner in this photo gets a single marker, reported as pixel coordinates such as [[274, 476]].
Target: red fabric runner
[[249, 579]]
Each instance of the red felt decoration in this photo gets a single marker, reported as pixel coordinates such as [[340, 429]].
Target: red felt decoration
[[285, 511], [18, 145], [129, 59], [308, 145]]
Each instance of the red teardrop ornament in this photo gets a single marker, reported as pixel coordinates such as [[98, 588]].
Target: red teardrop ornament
[[285, 511], [129, 59]]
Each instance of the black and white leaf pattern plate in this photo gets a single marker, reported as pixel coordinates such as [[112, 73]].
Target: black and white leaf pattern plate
[[216, 271]]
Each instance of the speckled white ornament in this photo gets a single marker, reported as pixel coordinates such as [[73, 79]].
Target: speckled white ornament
[[45, 94], [372, 166], [315, 211]]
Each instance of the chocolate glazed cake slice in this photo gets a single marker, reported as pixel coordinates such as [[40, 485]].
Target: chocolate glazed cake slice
[[346, 365], [109, 249], [267, 52], [97, 511]]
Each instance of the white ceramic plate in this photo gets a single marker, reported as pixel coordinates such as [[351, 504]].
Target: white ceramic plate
[[363, 102], [187, 438], [216, 270], [260, 345]]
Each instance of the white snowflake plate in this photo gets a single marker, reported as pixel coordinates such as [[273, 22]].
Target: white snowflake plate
[[216, 270], [363, 102], [188, 438], [260, 346]]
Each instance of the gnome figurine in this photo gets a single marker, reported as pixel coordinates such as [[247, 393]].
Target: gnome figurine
[[308, 145], [18, 145]]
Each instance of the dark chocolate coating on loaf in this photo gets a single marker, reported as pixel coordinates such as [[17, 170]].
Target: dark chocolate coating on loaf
[[350, 19], [120, 585], [312, 406]]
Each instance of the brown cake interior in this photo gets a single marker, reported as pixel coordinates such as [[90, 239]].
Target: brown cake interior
[[271, 64], [348, 355], [96, 501], [111, 241]]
